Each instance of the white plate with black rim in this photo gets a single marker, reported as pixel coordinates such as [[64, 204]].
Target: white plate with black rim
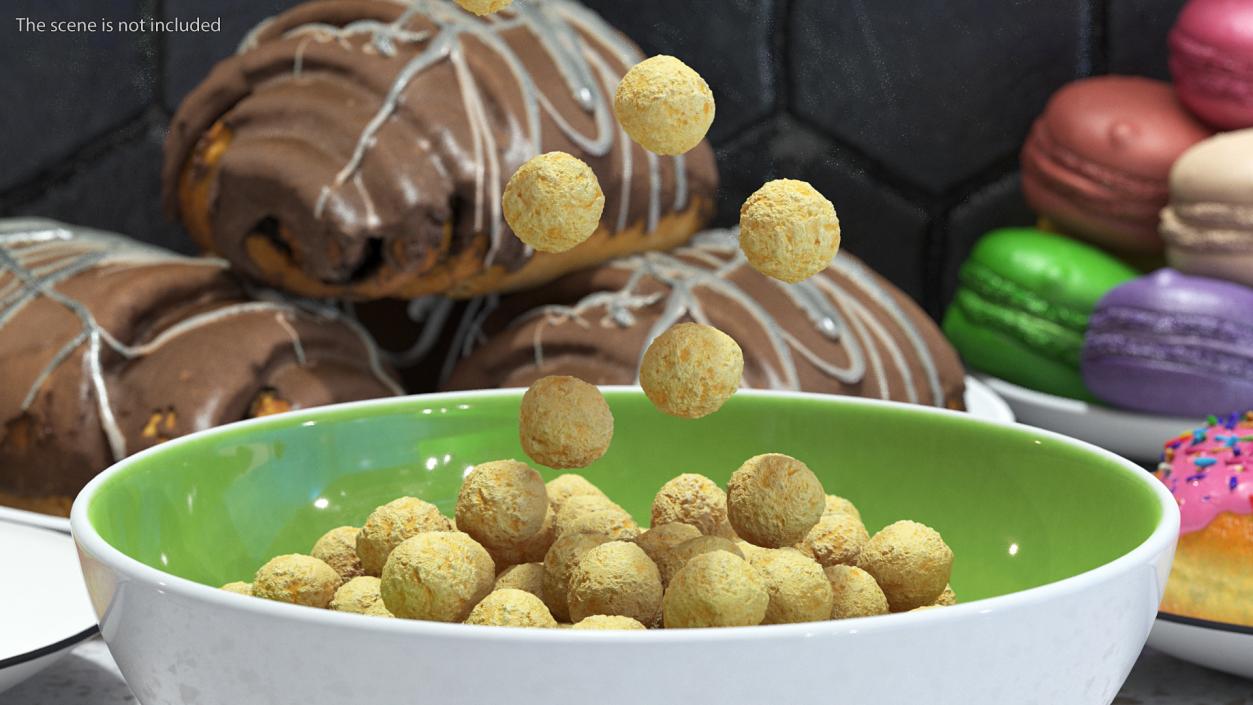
[[1217, 645], [44, 608], [1130, 434]]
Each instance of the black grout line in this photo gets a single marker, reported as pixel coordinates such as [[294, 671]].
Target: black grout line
[[66, 167]]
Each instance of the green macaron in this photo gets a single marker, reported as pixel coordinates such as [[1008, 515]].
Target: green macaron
[[1023, 304]]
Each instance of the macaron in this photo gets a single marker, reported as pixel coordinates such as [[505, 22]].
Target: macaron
[[1208, 226], [1097, 161], [1211, 60], [1169, 343], [1023, 303]]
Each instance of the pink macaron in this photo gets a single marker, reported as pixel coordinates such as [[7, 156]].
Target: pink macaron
[[1211, 59]]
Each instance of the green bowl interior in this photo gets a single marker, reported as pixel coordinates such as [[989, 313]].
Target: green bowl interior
[[1019, 509]]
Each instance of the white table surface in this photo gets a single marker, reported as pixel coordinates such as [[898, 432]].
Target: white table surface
[[89, 677]]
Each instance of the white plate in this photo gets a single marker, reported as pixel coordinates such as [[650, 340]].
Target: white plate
[[1127, 433], [44, 608], [1225, 647], [43, 521], [981, 401]]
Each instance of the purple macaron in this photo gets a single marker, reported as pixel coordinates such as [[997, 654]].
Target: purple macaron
[[1170, 343]]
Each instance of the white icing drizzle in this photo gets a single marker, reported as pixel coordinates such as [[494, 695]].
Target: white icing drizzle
[[835, 313], [557, 25], [36, 255]]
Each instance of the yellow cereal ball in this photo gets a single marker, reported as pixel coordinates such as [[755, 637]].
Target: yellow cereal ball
[[773, 500], [948, 598], [664, 105], [789, 231], [717, 589], [618, 526], [361, 595], [799, 590], [501, 504], [589, 512], [484, 7], [836, 539], [438, 576], [910, 561], [691, 370], [696, 500], [569, 485], [392, 523], [564, 422], [338, 547], [530, 550], [854, 593], [616, 578], [553, 202], [512, 608], [559, 564], [527, 577], [239, 588], [672, 561], [662, 538], [300, 580], [838, 505], [608, 622]]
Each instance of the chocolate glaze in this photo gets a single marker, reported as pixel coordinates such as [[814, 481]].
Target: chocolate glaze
[[844, 331], [108, 347], [371, 139]]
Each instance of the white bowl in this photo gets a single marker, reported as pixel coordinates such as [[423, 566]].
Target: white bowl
[[1072, 641]]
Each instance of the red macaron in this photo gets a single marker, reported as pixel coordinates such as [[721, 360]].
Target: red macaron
[[1097, 161], [1211, 59]]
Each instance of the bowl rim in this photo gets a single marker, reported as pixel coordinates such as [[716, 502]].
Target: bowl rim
[[1161, 540]]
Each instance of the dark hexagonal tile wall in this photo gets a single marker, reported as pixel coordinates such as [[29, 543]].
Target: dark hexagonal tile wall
[[1137, 35], [939, 90], [732, 45], [59, 91]]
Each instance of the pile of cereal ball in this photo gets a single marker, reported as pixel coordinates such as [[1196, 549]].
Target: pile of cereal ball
[[773, 548]]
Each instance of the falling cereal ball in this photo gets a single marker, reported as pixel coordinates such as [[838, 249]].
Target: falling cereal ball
[[773, 500], [717, 589], [338, 547], [484, 7], [910, 561], [528, 577], [300, 580], [564, 422], [854, 593], [799, 590], [836, 539], [501, 504], [616, 578], [788, 230], [664, 105], [392, 523], [691, 370], [361, 595], [693, 499], [553, 202], [438, 576], [608, 622], [239, 588], [512, 608]]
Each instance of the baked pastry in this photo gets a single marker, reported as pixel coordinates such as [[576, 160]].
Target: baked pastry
[[1169, 343], [843, 331], [1023, 304], [1208, 225], [1211, 61], [1097, 160], [108, 347], [359, 148], [1210, 472]]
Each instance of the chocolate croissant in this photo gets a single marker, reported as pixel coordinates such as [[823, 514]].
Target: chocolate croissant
[[108, 347], [844, 331], [359, 148]]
